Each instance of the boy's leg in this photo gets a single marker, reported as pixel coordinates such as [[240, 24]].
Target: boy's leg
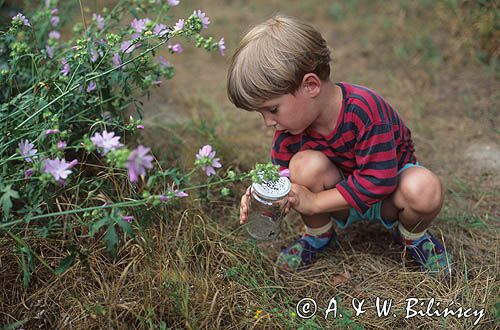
[[314, 170], [415, 203]]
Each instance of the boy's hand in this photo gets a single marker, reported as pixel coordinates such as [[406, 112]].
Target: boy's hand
[[302, 199], [245, 206]]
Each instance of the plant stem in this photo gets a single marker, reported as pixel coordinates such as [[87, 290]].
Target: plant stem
[[55, 214], [87, 80]]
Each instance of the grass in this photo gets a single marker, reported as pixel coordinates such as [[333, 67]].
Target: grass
[[436, 62]]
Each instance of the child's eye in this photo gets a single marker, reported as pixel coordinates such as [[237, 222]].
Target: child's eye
[[273, 110]]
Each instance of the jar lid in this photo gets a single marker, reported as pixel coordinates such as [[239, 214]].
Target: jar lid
[[273, 190]]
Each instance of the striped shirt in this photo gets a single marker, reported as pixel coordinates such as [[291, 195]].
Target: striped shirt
[[369, 144]]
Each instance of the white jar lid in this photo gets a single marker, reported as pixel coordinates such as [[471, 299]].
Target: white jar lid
[[273, 190]]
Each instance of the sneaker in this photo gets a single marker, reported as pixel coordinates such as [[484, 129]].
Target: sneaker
[[427, 251], [303, 251]]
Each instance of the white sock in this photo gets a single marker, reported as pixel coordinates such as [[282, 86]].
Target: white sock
[[409, 235], [318, 231]]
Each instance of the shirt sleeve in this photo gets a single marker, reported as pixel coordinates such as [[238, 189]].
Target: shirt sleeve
[[280, 153], [376, 173]]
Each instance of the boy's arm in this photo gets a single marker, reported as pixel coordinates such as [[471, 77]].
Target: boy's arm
[[306, 202], [330, 201]]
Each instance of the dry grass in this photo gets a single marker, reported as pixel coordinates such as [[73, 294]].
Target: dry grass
[[196, 269], [193, 273]]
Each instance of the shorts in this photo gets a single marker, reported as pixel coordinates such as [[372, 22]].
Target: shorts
[[373, 213]]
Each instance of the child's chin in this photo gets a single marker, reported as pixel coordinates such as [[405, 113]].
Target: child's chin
[[294, 132]]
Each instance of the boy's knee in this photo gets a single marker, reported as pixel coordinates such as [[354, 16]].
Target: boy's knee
[[422, 190], [314, 170]]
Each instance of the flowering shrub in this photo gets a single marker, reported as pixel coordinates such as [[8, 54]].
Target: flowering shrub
[[69, 164], [64, 123]]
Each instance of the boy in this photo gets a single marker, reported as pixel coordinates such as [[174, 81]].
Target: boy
[[349, 154]]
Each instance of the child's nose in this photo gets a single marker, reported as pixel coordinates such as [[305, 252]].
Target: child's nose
[[270, 122]]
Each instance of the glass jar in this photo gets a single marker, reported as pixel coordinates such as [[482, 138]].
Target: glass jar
[[267, 208]]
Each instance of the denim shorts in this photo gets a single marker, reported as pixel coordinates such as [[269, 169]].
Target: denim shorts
[[373, 213]]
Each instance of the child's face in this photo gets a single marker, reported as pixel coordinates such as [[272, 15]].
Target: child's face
[[291, 113]]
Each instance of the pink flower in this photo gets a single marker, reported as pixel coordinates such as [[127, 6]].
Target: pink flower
[[66, 69], [54, 20], [50, 51], [61, 145], [21, 18], [206, 159], [139, 25], [138, 162], [99, 20], [27, 149], [180, 194], [128, 218], [54, 35], [116, 60], [94, 56], [177, 193], [58, 168], [91, 86], [28, 174], [160, 30], [106, 141], [285, 172], [177, 48], [140, 126], [179, 25], [222, 46], [202, 16], [173, 3], [127, 47], [52, 131]]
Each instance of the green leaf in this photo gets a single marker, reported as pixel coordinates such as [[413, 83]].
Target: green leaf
[[67, 262], [28, 266], [111, 239], [151, 181], [5, 200], [97, 225], [127, 228], [15, 325]]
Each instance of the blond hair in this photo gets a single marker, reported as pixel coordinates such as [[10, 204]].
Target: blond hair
[[272, 59]]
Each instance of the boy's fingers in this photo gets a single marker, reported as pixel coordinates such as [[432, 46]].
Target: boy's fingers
[[243, 218], [244, 205], [243, 212]]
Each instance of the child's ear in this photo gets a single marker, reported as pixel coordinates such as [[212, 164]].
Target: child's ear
[[311, 84]]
